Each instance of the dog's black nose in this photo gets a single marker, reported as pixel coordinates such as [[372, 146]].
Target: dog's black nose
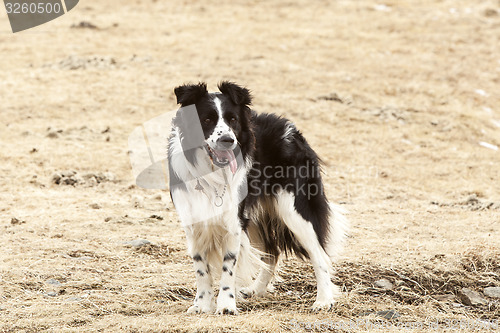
[[225, 141]]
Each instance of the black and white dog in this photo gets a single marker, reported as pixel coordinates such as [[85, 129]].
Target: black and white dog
[[246, 183]]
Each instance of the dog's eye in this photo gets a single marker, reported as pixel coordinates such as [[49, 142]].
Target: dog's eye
[[208, 121], [233, 120]]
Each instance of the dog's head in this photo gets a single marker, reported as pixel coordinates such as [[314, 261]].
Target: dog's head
[[225, 120]]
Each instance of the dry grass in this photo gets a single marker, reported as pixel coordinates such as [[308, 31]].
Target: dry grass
[[396, 100], [144, 299]]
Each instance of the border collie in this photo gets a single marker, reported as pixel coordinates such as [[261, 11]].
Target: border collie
[[247, 187]]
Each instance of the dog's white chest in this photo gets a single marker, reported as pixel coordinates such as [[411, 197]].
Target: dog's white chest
[[202, 200]]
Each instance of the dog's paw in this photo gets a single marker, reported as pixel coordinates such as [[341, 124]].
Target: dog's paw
[[249, 292], [196, 309], [226, 306], [324, 305], [227, 310]]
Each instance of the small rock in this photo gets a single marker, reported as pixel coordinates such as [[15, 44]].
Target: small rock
[[52, 294], [138, 201], [472, 200], [84, 25], [15, 221], [95, 206], [481, 92], [157, 217], [384, 284], [75, 299], [157, 197], [490, 12], [493, 292], [388, 314], [53, 135], [138, 242], [107, 219], [332, 97], [382, 8], [93, 179], [471, 297], [53, 282], [82, 258], [444, 298], [66, 178], [56, 178]]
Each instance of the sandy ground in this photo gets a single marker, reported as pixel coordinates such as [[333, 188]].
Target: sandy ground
[[400, 99]]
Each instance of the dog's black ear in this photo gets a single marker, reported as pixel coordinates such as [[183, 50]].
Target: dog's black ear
[[188, 94], [237, 94]]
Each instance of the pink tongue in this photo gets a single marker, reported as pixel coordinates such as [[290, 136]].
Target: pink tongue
[[232, 163], [231, 158]]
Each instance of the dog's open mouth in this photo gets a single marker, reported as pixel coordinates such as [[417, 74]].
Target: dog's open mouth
[[222, 158]]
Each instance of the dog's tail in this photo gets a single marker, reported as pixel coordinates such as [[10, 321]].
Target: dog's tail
[[337, 231], [250, 262]]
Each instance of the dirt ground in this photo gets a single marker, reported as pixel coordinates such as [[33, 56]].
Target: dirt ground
[[399, 98]]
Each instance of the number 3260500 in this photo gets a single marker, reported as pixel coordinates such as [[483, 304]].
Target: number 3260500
[[33, 8]]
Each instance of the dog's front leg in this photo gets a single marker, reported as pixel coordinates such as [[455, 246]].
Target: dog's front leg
[[226, 302], [204, 300]]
